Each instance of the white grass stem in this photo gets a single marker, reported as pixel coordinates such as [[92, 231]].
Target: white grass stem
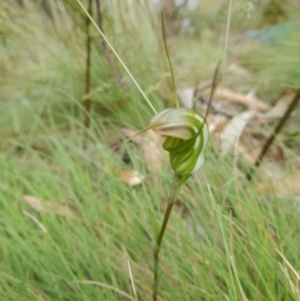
[[237, 279], [289, 264], [227, 37], [36, 221], [226, 297], [104, 285], [131, 280]]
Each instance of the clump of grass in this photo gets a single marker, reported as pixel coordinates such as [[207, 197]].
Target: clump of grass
[[44, 59], [224, 229]]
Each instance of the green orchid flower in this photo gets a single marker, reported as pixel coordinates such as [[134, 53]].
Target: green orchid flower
[[186, 135]]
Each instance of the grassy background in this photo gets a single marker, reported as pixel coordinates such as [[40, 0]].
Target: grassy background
[[222, 238]]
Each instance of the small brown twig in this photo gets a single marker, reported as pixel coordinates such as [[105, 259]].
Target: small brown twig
[[272, 137], [107, 51], [87, 103]]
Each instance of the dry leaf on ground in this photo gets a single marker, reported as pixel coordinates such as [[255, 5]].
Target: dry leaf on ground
[[131, 177], [280, 107], [251, 103], [62, 209], [34, 202], [230, 135], [151, 145], [154, 153], [186, 97], [216, 123], [272, 169], [216, 106], [132, 135]]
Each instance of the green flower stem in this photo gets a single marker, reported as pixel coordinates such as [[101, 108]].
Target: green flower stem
[[175, 187], [157, 247]]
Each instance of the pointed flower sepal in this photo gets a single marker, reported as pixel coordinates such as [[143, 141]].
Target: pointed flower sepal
[[186, 135]]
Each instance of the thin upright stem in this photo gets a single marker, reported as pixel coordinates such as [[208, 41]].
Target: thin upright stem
[[117, 56], [169, 60], [213, 89], [87, 103], [175, 187], [157, 247], [107, 51], [165, 222]]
